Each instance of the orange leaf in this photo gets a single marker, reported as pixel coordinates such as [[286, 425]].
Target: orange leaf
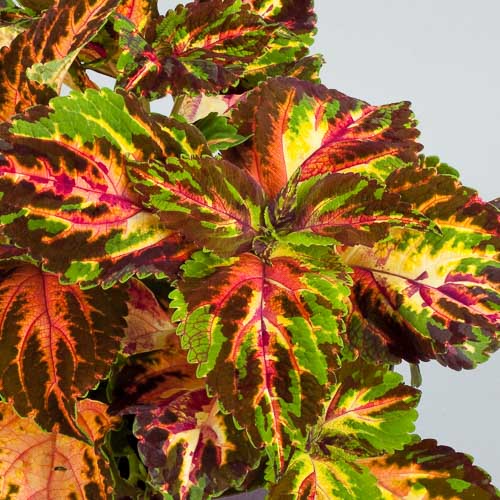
[[38, 464], [56, 343], [94, 420]]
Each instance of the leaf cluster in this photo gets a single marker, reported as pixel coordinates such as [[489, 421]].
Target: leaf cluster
[[213, 301]]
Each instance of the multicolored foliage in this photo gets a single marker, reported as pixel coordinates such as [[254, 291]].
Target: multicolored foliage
[[65, 191], [299, 125], [38, 57], [211, 46], [363, 448], [427, 295], [207, 302], [36, 463], [188, 445], [148, 324], [427, 470], [56, 343], [265, 333]]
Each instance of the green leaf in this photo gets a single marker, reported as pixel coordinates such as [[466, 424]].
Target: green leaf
[[315, 477], [218, 132], [265, 333], [424, 295]]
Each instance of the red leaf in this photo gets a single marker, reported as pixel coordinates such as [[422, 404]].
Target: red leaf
[[56, 343], [295, 124]]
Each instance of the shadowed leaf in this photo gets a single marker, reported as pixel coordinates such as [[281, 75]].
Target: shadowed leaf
[[38, 464], [93, 419], [188, 446], [148, 324], [56, 343]]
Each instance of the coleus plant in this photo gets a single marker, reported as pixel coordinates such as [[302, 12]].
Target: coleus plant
[[213, 301]]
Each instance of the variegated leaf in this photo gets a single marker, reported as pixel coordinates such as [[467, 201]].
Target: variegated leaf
[[285, 55], [353, 210], [297, 15], [62, 30], [94, 420], [421, 296], [212, 202], [188, 446], [56, 343], [370, 411], [142, 13], [316, 477], [427, 471], [148, 378], [209, 46], [286, 50], [148, 324], [38, 464], [265, 332], [194, 108], [296, 124], [199, 47], [66, 194]]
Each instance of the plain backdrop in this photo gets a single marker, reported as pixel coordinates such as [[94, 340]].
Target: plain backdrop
[[443, 56]]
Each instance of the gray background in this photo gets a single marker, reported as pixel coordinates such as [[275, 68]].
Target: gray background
[[443, 55]]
